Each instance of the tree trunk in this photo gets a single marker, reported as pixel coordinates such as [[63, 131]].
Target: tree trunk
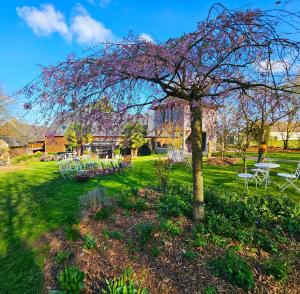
[[285, 144], [209, 149], [197, 162]]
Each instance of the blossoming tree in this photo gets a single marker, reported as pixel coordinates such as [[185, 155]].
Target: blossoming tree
[[223, 55]]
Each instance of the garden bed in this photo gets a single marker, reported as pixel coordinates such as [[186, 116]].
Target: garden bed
[[223, 161], [167, 254]]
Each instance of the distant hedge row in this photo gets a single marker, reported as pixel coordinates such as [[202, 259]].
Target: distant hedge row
[[25, 157]]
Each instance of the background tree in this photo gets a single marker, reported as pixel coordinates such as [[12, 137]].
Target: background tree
[[227, 127], [134, 136], [220, 57], [290, 123], [263, 108], [4, 152], [4, 103], [77, 136]]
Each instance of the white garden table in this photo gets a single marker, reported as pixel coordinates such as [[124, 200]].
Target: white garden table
[[267, 166]]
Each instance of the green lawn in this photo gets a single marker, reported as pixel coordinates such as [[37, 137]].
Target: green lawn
[[279, 155], [36, 200]]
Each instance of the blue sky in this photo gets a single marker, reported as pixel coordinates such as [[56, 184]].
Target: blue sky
[[45, 32]]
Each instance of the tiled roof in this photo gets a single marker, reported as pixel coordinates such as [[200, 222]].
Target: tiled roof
[[13, 142]]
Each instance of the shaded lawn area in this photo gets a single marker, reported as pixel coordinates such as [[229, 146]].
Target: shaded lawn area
[[36, 200]]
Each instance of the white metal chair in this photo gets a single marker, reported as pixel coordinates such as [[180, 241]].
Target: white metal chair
[[176, 156], [247, 177], [290, 179]]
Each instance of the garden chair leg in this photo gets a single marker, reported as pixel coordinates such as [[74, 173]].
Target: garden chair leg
[[290, 183]]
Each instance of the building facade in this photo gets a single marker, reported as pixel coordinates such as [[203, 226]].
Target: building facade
[[169, 126]]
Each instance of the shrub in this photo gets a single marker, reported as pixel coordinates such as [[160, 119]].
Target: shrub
[[163, 173], [262, 210], [244, 235], [92, 201], [210, 290], [125, 283], [117, 151], [71, 280], [176, 201], [170, 227], [264, 242], [90, 242], [129, 201], [217, 223], [72, 232], [234, 269], [62, 256], [276, 267], [26, 157], [140, 205], [238, 216], [144, 232], [104, 213]]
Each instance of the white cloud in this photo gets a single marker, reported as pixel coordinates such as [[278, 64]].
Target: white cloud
[[276, 66], [88, 30], [44, 21], [146, 37]]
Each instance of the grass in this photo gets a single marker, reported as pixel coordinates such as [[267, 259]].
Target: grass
[[279, 155], [35, 200]]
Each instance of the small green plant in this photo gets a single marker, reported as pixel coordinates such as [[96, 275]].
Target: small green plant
[[140, 205], [90, 242], [176, 201], [155, 251], [276, 267], [170, 227], [234, 269], [189, 255], [264, 242], [72, 232], [124, 284], [104, 213], [218, 241], [200, 240], [210, 290], [129, 201], [71, 280], [92, 201], [62, 256], [118, 235], [145, 232]]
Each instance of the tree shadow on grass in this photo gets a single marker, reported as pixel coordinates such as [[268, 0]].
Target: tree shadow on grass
[[37, 200], [32, 202], [19, 272]]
